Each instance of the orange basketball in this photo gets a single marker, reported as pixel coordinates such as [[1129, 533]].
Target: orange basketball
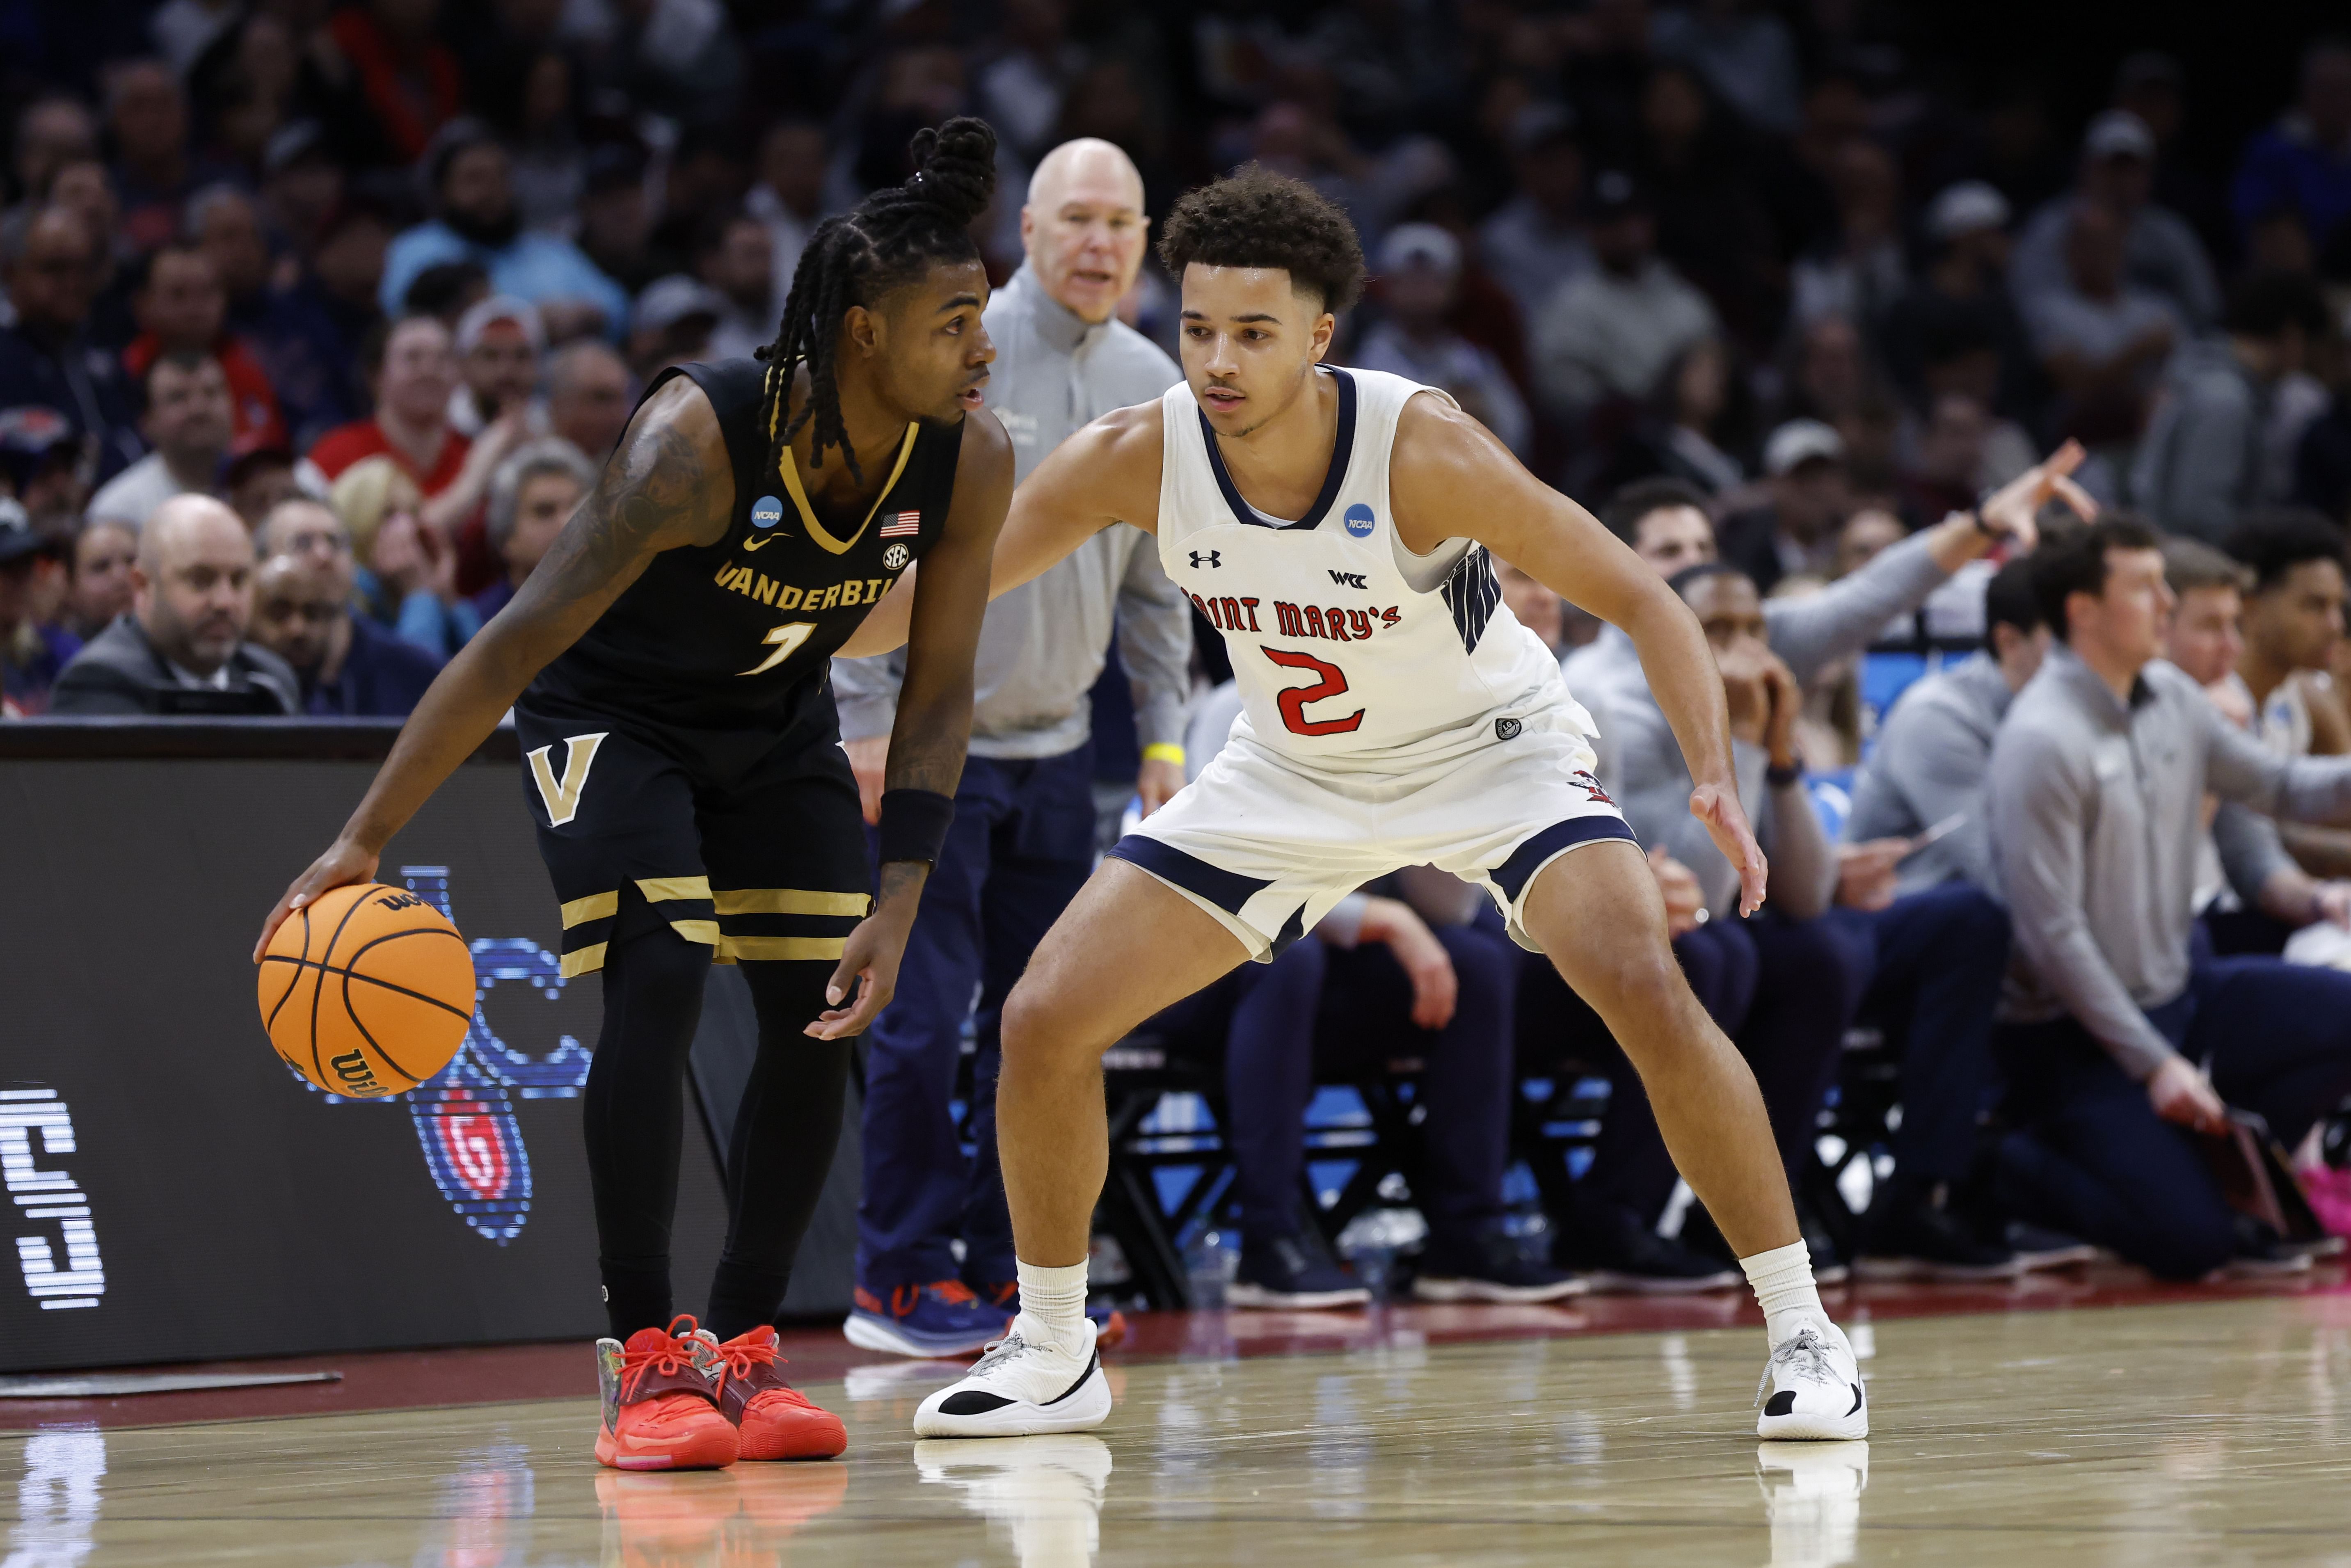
[[367, 990]]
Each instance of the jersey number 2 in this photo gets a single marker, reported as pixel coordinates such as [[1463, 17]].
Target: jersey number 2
[[786, 640], [1293, 699]]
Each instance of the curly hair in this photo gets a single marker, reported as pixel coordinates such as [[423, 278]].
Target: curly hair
[[1259, 218], [890, 239]]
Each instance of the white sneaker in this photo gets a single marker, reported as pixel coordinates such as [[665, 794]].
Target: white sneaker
[[1811, 1388], [1019, 1388]]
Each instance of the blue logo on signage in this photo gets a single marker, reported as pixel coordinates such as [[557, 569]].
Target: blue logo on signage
[[767, 512], [464, 1114], [1359, 520]]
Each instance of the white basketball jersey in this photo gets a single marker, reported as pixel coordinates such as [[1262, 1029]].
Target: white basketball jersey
[[1345, 647]]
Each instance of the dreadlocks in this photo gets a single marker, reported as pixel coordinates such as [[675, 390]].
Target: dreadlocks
[[888, 240]]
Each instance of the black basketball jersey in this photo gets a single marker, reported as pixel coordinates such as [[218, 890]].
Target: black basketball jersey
[[741, 632]]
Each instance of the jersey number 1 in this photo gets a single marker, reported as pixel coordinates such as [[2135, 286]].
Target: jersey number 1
[[1293, 699], [786, 640]]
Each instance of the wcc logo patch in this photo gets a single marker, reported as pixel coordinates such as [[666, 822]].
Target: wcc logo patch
[[1358, 521]]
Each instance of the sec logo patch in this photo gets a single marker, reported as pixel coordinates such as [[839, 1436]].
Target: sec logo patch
[[1358, 519], [767, 512], [894, 557]]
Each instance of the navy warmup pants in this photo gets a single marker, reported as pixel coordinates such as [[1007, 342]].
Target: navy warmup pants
[[1320, 1011], [1934, 961], [1021, 846], [2089, 1155], [1783, 990]]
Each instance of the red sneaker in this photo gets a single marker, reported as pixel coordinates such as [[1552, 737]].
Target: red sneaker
[[660, 1411], [776, 1421]]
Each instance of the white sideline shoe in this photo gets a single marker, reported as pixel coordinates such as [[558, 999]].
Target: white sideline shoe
[[1020, 1388], [1811, 1388]]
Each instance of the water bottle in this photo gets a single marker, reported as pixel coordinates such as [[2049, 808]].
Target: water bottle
[[1210, 1262]]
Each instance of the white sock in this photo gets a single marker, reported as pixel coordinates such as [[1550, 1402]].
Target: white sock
[[1054, 1304], [1782, 1281]]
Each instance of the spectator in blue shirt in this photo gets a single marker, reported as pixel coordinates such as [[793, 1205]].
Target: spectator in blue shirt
[[476, 220], [2303, 161]]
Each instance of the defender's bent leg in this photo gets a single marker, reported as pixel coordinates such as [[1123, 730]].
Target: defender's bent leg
[[1128, 947], [1596, 913]]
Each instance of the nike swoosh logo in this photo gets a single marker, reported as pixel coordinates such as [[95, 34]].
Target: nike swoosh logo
[[759, 543]]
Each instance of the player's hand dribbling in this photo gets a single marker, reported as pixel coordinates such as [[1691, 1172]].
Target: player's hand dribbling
[[343, 865]]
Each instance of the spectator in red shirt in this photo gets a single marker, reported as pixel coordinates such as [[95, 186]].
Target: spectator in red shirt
[[412, 380], [410, 373], [182, 308]]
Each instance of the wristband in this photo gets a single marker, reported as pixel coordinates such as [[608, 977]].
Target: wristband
[[1778, 778], [1164, 751], [1976, 516], [914, 825]]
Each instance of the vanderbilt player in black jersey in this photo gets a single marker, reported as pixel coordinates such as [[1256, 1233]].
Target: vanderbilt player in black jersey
[[666, 666]]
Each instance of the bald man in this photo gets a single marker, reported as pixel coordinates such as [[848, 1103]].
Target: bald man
[[182, 649], [1023, 839]]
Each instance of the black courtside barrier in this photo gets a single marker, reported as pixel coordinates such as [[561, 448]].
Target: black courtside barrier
[[175, 1193]]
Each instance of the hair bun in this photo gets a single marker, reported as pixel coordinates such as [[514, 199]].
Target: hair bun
[[955, 167]]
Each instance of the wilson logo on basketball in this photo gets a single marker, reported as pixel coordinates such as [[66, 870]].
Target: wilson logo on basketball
[[356, 1076], [400, 901]]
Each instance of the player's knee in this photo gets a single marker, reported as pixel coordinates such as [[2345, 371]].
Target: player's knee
[[659, 968], [1642, 993], [1036, 1038]]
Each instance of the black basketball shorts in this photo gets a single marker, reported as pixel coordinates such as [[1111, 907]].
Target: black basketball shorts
[[759, 853]]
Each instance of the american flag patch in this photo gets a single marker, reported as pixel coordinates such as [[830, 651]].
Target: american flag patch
[[905, 523]]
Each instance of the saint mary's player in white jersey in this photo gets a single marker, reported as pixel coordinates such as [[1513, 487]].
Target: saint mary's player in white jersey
[[1338, 527]]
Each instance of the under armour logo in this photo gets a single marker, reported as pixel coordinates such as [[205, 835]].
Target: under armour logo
[[1212, 556]]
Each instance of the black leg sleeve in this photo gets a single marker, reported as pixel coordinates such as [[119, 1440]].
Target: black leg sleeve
[[783, 1149], [634, 1117]]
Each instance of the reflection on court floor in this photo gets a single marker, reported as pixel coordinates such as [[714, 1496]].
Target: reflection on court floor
[[2127, 1436]]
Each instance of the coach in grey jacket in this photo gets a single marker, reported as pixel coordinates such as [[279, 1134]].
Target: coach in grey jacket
[[1023, 838], [2097, 783]]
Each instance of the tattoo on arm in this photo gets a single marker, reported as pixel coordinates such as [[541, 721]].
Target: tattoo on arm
[[652, 496]]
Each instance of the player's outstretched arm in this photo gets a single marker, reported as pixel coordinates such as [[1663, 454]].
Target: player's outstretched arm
[[668, 485], [1451, 479], [933, 724], [1107, 473]]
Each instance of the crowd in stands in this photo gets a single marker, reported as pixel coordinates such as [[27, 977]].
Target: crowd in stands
[[318, 318]]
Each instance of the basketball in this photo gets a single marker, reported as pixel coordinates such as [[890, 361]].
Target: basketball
[[367, 991]]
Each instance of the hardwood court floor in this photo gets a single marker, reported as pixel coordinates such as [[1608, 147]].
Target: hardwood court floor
[[2216, 1433]]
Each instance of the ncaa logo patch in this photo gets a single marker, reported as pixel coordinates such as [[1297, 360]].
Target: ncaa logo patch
[[767, 512], [894, 557], [1358, 519]]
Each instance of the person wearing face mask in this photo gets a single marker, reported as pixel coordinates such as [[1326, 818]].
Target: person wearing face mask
[[1023, 839], [182, 648]]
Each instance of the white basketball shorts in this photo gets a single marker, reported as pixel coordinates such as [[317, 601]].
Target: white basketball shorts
[[1268, 844]]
